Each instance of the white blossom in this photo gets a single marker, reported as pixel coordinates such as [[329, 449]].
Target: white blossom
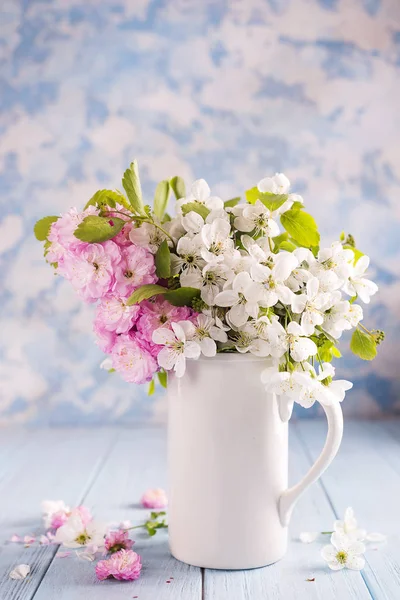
[[206, 333], [242, 299], [200, 192], [210, 281], [257, 217], [312, 304], [343, 552], [177, 346], [357, 285], [75, 533]]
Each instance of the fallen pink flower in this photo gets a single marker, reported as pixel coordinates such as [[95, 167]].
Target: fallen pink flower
[[123, 565], [156, 498], [15, 538], [44, 540], [63, 554], [29, 539], [118, 540]]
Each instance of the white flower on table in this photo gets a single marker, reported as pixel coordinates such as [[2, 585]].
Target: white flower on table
[[242, 299], [178, 346], [209, 281], [312, 305], [207, 332], [217, 241], [273, 279], [357, 285], [75, 534], [51, 508], [188, 256], [344, 552], [20, 572], [349, 526]]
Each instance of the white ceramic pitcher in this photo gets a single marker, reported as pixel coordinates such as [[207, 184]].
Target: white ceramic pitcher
[[229, 502]]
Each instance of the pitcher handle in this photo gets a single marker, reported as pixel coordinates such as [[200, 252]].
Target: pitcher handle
[[333, 439]]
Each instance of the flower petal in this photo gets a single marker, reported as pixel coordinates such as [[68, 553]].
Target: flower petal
[[354, 562], [328, 552]]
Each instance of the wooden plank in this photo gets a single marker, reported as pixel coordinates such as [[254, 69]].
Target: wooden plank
[[366, 476], [52, 464], [136, 463], [287, 579]]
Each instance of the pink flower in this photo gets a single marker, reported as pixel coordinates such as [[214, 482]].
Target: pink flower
[[91, 269], [85, 514], [123, 565], [114, 315], [58, 519], [104, 339], [61, 233], [159, 313], [132, 361], [156, 498], [118, 540], [135, 269]]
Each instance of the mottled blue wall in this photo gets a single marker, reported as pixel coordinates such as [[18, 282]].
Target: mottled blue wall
[[227, 90]]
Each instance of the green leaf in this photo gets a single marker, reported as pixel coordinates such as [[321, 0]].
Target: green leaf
[[182, 296], [152, 388], [161, 198], [288, 246], [144, 292], [107, 198], [94, 229], [297, 205], [196, 207], [232, 202], [178, 187], [301, 227], [42, 228], [363, 345], [272, 201], [278, 239], [163, 261], [252, 195], [163, 378], [336, 352], [131, 183]]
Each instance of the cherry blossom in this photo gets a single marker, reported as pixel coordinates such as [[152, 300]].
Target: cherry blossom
[[343, 552], [177, 346]]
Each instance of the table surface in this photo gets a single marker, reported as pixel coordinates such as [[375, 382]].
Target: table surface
[[108, 470]]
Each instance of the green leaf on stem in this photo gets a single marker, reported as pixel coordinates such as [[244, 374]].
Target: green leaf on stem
[[95, 229], [232, 202], [272, 201], [163, 261], [301, 227], [288, 246], [152, 388], [178, 187], [145, 292], [42, 228], [252, 195], [161, 198], [183, 296], [163, 378], [196, 207], [131, 183], [363, 345], [107, 199]]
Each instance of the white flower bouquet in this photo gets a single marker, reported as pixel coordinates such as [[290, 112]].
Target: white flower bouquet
[[220, 276]]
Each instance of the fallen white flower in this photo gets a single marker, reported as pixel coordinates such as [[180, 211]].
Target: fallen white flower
[[349, 526], [20, 572], [307, 537], [344, 552]]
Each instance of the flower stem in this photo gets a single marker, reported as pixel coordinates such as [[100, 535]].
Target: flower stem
[[326, 532]]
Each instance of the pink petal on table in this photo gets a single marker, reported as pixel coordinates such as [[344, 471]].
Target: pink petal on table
[[15, 538], [44, 540], [63, 554], [29, 539]]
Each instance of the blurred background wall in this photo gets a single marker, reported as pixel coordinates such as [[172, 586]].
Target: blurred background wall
[[226, 90]]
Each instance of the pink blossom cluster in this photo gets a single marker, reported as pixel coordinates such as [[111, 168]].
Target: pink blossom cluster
[[123, 565], [108, 273]]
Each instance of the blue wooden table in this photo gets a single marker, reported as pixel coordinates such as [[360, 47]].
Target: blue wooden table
[[108, 470]]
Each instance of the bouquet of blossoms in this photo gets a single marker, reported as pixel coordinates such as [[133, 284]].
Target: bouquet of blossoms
[[218, 277]]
